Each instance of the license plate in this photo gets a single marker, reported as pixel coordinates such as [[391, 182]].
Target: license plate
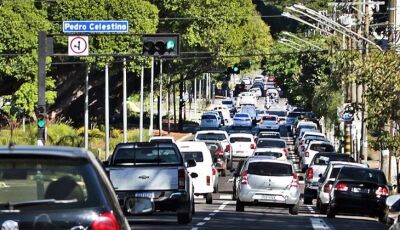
[[360, 190], [149, 195], [268, 127], [239, 152], [209, 121], [264, 197]]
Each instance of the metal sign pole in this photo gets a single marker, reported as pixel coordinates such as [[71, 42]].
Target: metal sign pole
[[151, 98], [41, 138], [124, 105], [87, 108], [107, 113], [160, 111], [195, 97], [141, 105]]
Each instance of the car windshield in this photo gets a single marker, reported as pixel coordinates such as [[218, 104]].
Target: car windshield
[[32, 182], [322, 147], [309, 127], [362, 174], [208, 117], [293, 115], [240, 139], [272, 154], [197, 156], [270, 143], [146, 155], [269, 118], [313, 138], [269, 169], [324, 159], [211, 136]]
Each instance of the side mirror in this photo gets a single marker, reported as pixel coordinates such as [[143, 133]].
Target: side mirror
[[190, 163], [194, 175]]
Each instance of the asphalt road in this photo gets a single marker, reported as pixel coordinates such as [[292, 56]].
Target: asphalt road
[[222, 215]]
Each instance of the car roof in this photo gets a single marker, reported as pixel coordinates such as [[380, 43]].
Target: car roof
[[271, 139], [212, 131], [70, 152], [319, 142], [344, 163], [267, 159], [192, 145], [269, 132], [314, 133], [242, 113], [241, 135], [162, 137]]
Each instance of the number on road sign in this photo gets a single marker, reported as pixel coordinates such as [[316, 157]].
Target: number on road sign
[[78, 45]]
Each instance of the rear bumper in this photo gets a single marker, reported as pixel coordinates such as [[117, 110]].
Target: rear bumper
[[310, 192], [347, 204], [257, 196], [242, 153]]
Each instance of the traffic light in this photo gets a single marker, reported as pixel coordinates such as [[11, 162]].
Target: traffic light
[[41, 117], [160, 45], [236, 69]]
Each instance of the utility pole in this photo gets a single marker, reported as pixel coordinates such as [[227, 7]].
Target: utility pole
[[392, 22], [124, 104], [151, 97], [141, 105], [107, 112], [160, 101], [87, 108]]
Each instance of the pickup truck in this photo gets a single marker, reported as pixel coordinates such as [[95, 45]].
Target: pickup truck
[[150, 177]]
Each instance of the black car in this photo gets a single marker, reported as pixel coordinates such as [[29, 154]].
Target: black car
[[56, 188], [360, 191]]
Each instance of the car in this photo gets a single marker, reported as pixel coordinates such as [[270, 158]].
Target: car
[[306, 141], [269, 122], [359, 191], [230, 104], [272, 144], [318, 166], [220, 160], [326, 180], [243, 145], [257, 91], [152, 177], [304, 125], [204, 183], [290, 119], [56, 188], [247, 99], [218, 114], [235, 177], [217, 135], [242, 120], [268, 182], [271, 153], [246, 80], [259, 79], [269, 134], [281, 115], [260, 114], [162, 139], [251, 110], [209, 121], [307, 133], [224, 113], [313, 148]]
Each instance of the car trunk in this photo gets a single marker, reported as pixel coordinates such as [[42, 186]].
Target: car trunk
[[271, 176]]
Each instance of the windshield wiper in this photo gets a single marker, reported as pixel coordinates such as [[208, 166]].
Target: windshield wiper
[[12, 205]]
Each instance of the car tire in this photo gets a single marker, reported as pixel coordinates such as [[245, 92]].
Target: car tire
[[209, 198], [229, 165], [294, 209], [307, 200], [193, 207], [330, 212], [223, 172], [233, 196], [239, 206], [186, 217], [323, 208]]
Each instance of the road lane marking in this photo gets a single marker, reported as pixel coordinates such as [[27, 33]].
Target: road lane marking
[[207, 218], [212, 214], [319, 224], [216, 210], [194, 228], [201, 223], [225, 197]]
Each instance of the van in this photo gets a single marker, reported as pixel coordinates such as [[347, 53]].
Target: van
[[204, 183]]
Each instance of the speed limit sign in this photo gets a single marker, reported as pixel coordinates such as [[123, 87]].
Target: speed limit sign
[[78, 45]]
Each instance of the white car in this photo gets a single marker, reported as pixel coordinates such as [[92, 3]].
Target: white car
[[243, 144], [259, 79], [306, 134], [242, 120], [209, 121], [247, 99], [228, 103], [217, 114], [162, 139], [272, 144], [272, 152], [204, 182], [225, 114], [246, 80], [256, 91], [269, 122], [261, 113], [313, 148]]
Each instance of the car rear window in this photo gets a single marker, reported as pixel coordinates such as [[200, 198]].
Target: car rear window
[[362, 174], [242, 115], [322, 147], [227, 102], [150, 155], [334, 172], [197, 156], [240, 139], [269, 135], [272, 154], [269, 169], [313, 138], [211, 136], [326, 158], [269, 118], [35, 179], [270, 143], [209, 117], [278, 113]]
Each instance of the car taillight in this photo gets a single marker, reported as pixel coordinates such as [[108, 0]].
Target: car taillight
[[286, 151], [327, 188], [228, 148], [295, 181], [214, 172], [181, 179], [382, 191], [106, 221], [306, 154], [244, 179], [208, 180], [310, 173], [252, 146], [219, 152], [341, 187]]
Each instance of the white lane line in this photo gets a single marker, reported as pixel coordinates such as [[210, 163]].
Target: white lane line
[[207, 218], [225, 197], [201, 223], [194, 228], [212, 214], [312, 211], [319, 224], [216, 210]]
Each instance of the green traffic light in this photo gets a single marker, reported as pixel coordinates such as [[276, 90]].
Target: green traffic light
[[170, 45], [41, 123], [235, 69]]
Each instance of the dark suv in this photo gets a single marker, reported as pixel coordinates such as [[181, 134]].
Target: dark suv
[[56, 188]]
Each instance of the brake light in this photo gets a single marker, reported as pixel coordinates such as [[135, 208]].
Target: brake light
[[295, 181], [106, 221], [214, 172], [208, 180], [327, 188], [306, 154], [341, 187], [244, 179], [310, 173], [252, 146], [181, 179], [228, 148], [382, 191], [286, 151], [219, 152]]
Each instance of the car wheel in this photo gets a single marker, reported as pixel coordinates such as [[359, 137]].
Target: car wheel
[[186, 217], [323, 208], [330, 212], [239, 206], [209, 198], [307, 200], [216, 189], [233, 195], [223, 172], [294, 209], [229, 165]]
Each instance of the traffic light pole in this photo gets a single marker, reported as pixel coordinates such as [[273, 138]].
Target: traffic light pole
[[160, 102], [41, 138], [141, 105], [151, 98]]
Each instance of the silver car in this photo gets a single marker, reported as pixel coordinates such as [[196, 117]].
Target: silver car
[[266, 181]]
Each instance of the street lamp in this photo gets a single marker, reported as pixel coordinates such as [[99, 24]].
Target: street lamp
[[289, 15], [303, 40]]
